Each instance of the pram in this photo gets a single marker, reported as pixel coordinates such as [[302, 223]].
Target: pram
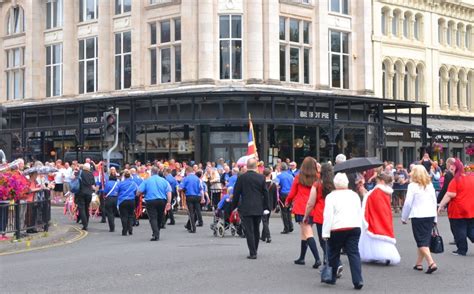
[[225, 220]]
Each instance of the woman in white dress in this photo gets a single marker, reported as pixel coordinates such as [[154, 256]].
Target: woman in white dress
[[377, 240]]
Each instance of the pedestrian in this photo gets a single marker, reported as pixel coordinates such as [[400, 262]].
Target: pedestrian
[[110, 195], [158, 200], [191, 185], [59, 182], [68, 171], [315, 206], [170, 178], [400, 186], [298, 196], [341, 228], [448, 176], [84, 197], [377, 240], [426, 162], [420, 208], [127, 190], [293, 170], [251, 197], [461, 207], [284, 181], [272, 201]]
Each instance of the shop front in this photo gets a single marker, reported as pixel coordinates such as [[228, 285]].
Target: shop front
[[208, 125]]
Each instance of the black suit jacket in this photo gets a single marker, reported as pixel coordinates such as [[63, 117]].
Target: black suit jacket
[[250, 194], [447, 179]]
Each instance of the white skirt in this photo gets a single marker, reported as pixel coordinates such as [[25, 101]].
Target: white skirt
[[376, 250]]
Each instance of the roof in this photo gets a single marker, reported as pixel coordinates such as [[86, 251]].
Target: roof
[[445, 124]]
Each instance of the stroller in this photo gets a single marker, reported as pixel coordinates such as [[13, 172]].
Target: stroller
[[225, 220]]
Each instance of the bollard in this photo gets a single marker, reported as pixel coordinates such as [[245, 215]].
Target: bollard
[[17, 219]]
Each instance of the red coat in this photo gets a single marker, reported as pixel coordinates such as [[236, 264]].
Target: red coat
[[378, 219], [318, 209], [299, 195]]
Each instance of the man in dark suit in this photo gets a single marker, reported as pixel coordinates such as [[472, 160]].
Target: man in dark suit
[[251, 196]]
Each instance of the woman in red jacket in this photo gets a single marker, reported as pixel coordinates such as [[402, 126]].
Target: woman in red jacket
[[299, 195]]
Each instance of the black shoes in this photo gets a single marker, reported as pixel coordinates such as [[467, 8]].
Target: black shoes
[[155, 238], [291, 230], [171, 223], [269, 240], [358, 286], [199, 225], [31, 231], [317, 264], [300, 261], [130, 233], [112, 230], [284, 232], [103, 221], [457, 253], [252, 257], [432, 268]]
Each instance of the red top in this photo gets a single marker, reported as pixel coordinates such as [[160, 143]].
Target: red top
[[461, 206], [299, 195], [318, 209]]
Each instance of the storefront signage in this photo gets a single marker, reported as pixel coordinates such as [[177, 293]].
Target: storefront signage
[[316, 115], [394, 134], [92, 120]]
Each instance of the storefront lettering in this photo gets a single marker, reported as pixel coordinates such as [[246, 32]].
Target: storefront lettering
[[394, 134], [447, 138], [91, 120], [415, 135], [316, 115]]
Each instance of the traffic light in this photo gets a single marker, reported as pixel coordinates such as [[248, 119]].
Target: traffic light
[[110, 126], [3, 120]]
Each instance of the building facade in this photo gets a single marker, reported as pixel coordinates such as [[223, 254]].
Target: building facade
[[186, 74]]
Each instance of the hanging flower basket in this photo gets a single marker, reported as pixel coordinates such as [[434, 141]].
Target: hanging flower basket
[[437, 147], [470, 149]]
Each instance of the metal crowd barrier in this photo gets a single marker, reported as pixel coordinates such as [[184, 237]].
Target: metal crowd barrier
[[19, 216]]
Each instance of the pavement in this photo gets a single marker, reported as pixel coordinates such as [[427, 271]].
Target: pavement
[[104, 262]]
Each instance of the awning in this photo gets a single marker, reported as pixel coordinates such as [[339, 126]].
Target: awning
[[445, 125]]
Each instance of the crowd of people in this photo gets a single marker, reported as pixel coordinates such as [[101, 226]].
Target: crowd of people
[[352, 212]]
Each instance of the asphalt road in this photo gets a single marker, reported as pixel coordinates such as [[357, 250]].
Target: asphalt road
[[180, 262]]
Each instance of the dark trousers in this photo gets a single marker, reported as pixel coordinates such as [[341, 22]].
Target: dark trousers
[[215, 198], [156, 210], [350, 241], [127, 215], [170, 214], [322, 243], [110, 211], [252, 232], [286, 215], [462, 229], [83, 202], [266, 228], [102, 206], [194, 211]]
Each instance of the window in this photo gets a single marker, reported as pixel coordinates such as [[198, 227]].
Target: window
[[230, 38], [15, 21], [418, 27], [440, 31], [382, 23], [339, 59], [54, 64], [448, 34], [88, 10], [417, 84], [467, 36], [384, 81], [123, 60], [88, 57], [458, 37], [165, 51], [395, 23], [406, 81], [395, 80], [54, 13], [340, 6], [405, 25], [295, 50], [123, 6], [15, 73]]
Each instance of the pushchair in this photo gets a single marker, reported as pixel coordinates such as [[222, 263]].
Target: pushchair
[[225, 220]]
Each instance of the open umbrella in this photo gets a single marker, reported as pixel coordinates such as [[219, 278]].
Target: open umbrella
[[42, 170], [357, 164], [243, 160]]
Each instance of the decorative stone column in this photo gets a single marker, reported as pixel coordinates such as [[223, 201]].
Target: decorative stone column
[[444, 91], [254, 41], [189, 54], [271, 51], [70, 48], [463, 98], [389, 25], [106, 46], [412, 86], [454, 37], [401, 18], [411, 28], [454, 94], [206, 55], [389, 89], [463, 38]]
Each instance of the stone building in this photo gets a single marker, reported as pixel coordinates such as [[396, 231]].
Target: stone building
[[185, 74]]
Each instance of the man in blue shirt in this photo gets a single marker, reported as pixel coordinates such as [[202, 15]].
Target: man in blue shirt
[[233, 178], [284, 181], [191, 185], [157, 193], [137, 180], [173, 183], [293, 169]]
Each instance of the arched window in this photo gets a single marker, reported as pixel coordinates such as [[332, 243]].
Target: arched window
[[398, 69], [417, 30], [406, 81], [459, 35], [406, 24], [15, 20], [449, 33], [395, 22], [440, 87], [468, 35], [458, 93], [383, 24], [417, 83], [441, 24]]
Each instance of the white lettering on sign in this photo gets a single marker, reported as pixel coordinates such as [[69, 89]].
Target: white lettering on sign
[[90, 120], [394, 134], [415, 135], [447, 137], [316, 115]]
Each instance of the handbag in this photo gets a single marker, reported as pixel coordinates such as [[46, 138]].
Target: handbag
[[326, 272], [436, 243]]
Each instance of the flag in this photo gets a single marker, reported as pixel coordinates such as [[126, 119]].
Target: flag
[[252, 148]]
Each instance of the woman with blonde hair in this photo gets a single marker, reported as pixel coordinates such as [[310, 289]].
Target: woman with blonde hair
[[299, 195], [420, 208]]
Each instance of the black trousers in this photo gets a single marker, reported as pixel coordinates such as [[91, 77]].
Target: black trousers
[[110, 211], [170, 214], [156, 211], [127, 215], [350, 241], [194, 211], [215, 198], [266, 228], [252, 232], [83, 202], [322, 243], [102, 206], [285, 215], [462, 229]]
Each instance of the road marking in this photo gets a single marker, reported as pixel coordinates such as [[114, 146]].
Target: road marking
[[82, 235]]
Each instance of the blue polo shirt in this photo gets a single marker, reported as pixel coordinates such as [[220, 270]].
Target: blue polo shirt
[[155, 187], [285, 180], [111, 188], [232, 181], [191, 184], [137, 179], [126, 190], [173, 183]]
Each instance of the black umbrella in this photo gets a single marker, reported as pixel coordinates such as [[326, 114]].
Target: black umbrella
[[357, 164]]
